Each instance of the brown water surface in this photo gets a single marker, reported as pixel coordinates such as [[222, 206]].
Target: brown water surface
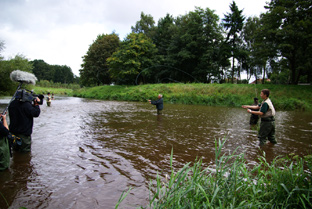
[[85, 153]]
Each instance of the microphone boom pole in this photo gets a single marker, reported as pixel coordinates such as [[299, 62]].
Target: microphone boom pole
[[6, 109]]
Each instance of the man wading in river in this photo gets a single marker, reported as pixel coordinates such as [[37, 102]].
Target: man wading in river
[[159, 104], [266, 113]]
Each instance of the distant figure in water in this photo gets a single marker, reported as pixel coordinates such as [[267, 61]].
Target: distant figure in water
[[266, 111], [49, 99], [52, 96], [254, 118], [159, 104]]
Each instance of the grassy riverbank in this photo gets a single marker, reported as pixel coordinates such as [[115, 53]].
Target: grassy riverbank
[[56, 91], [284, 97]]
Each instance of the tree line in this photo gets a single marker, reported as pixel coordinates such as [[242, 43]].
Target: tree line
[[201, 47], [45, 73]]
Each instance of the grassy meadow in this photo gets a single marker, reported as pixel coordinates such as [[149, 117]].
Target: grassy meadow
[[284, 97]]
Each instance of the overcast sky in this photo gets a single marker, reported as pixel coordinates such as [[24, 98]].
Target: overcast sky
[[61, 31]]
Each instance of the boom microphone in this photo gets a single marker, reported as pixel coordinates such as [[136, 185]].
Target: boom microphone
[[23, 77]]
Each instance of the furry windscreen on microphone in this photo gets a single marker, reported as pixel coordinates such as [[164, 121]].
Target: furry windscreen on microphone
[[25, 77]]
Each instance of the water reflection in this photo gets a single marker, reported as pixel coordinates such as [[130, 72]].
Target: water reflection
[[86, 152]]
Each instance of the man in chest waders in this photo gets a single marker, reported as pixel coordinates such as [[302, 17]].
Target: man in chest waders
[[49, 99], [266, 113], [159, 104]]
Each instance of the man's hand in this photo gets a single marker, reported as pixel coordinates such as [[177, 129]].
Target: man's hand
[[36, 101], [3, 116]]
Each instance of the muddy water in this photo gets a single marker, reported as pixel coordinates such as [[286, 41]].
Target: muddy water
[[85, 153]]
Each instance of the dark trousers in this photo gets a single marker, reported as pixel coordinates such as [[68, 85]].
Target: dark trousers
[[4, 153], [26, 143], [159, 112], [267, 131]]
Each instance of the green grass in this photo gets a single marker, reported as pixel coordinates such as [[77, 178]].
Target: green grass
[[56, 91], [284, 97], [232, 183]]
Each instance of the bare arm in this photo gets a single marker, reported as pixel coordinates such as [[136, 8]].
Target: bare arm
[[4, 121], [255, 107], [255, 112]]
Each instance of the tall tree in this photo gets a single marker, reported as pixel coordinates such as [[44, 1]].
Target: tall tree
[[94, 69], [62, 74], [163, 34], [42, 70], [1, 48], [255, 46], [145, 25], [193, 46], [289, 28], [233, 22], [136, 53]]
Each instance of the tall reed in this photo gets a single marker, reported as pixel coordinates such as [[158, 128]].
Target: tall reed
[[232, 183]]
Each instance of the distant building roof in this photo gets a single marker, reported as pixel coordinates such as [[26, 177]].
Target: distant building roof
[[260, 81]]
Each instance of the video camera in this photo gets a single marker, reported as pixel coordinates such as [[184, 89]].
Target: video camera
[[25, 95]]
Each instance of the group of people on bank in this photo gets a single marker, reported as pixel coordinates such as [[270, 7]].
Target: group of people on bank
[[22, 114]]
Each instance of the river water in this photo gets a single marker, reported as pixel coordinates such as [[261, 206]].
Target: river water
[[85, 153]]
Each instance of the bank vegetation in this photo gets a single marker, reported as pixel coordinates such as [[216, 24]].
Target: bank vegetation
[[232, 183], [284, 97]]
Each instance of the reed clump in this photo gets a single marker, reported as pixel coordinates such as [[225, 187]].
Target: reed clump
[[232, 183]]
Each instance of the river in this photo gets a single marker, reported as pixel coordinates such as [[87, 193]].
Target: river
[[85, 152]]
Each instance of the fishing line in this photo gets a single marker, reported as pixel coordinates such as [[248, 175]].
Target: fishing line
[[255, 91], [136, 80]]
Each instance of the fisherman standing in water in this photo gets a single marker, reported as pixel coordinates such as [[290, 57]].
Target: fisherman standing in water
[[266, 113], [253, 117], [159, 104], [49, 99]]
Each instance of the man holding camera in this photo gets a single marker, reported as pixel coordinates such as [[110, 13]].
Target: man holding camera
[[21, 121]]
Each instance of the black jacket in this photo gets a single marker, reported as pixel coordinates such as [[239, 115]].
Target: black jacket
[[159, 104], [21, 117]]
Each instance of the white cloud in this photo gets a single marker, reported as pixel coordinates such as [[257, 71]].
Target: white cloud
[[61, 31]]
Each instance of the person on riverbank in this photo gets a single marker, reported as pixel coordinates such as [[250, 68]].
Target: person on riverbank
[[159, 104], [253, 117], [22, 114], [266, 111], [4, 144]]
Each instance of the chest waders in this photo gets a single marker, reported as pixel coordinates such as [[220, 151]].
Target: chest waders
[[4, 153], [267, 125]]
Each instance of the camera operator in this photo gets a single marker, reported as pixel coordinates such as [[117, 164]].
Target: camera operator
[[21, 115]]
